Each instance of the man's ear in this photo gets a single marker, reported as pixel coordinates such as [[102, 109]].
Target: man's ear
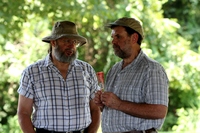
[[134, 37], [53, 43]]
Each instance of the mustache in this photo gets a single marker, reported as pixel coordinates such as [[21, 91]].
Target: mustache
[[116, 46], [66, 50]]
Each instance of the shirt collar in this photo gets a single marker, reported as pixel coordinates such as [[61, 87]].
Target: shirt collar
[[135, 61], [48, 61]]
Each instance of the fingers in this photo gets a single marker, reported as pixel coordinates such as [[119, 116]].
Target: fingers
[[110, 100], [97, 98], [105, 97]]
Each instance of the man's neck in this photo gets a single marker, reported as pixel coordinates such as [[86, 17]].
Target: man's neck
[[130, 59]]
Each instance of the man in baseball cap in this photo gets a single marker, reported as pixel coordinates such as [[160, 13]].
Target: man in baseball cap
[[135, 98]]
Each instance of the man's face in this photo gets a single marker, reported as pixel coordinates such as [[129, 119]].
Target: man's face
[[65, 50], [121, 42]]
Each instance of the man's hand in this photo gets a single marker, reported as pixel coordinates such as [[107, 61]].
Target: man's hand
[[97, 99], [111, 100]]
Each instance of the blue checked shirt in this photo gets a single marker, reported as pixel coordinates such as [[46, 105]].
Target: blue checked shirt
[[142, 81], [59, 104]]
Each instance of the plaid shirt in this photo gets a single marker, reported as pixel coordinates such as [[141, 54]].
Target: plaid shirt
[[59, 105], [142, 81]]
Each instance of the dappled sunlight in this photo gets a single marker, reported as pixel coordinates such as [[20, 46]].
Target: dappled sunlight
[[171, 38]]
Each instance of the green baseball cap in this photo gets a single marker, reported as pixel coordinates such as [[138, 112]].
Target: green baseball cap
[[129, 22]]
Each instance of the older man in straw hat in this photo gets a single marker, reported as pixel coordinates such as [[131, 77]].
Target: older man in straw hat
[[59, 88], [136, 91]]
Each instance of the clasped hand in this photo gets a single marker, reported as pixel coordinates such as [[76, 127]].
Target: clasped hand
[[108, 99]]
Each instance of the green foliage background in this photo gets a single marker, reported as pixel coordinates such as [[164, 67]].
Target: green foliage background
[[171, 37]]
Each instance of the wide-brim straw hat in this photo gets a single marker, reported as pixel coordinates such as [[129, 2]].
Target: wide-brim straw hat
[[132, 23], [65, 29]]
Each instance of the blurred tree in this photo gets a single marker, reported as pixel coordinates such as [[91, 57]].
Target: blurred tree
[[187, 14], [184, 91], [24, 23]]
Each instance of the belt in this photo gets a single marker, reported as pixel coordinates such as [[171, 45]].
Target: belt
[[152, 130], [41, 130]]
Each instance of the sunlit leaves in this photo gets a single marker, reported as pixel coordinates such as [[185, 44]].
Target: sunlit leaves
[[25, 22]]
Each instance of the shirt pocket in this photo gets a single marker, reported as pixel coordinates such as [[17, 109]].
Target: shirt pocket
[[130, 93]]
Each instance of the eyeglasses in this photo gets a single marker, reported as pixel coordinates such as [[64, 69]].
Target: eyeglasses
[[70, 42]]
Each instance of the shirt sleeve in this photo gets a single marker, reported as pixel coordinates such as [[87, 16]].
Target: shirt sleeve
[[25, 86], [94, 83], [157, 87]]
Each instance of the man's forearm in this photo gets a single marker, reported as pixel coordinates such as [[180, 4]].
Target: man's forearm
[[25, 123], [146, 111], [96, 117]]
